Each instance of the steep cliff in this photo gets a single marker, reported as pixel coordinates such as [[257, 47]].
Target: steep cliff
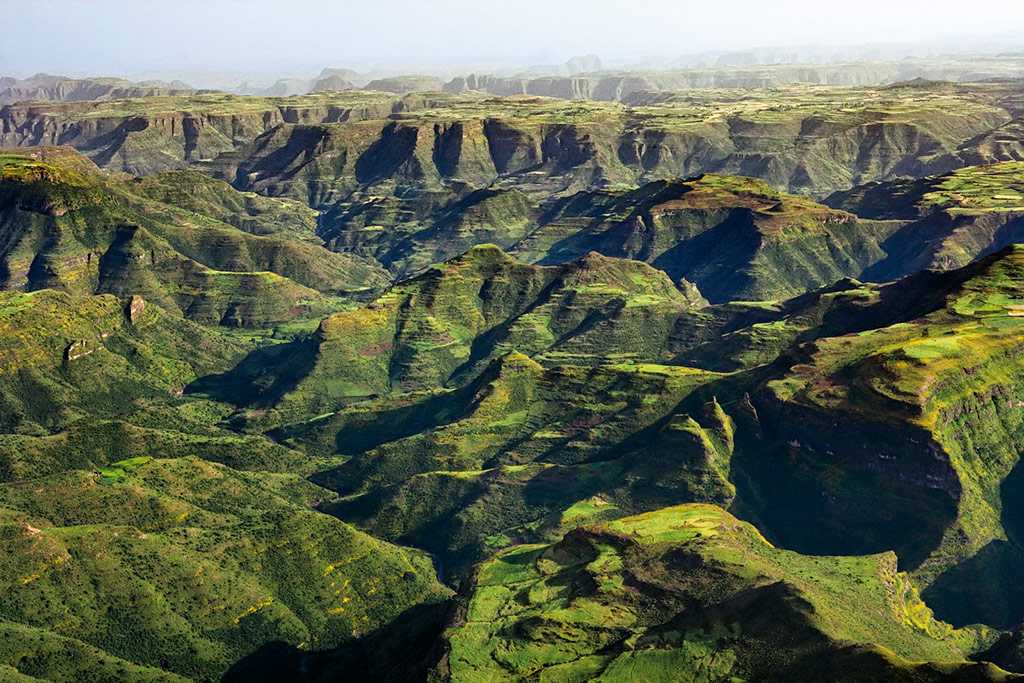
[[42, 87], [689, 589], [821, 141], [67, 225]]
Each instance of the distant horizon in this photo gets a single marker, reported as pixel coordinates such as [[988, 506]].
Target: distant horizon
[[840, 54], [220, 44]]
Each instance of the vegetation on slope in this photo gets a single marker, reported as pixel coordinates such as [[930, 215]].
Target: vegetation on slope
[[135, 547], [518, 414], [691, 593], [85, 381], [248, 211], [815, 139], [735, 238], [68, 226], [918, 370], [446, 324], [932, 472], [950, 220], [186, 566]]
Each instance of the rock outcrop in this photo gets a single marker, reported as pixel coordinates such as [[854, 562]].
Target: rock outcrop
[[136, 305], [62, 89]]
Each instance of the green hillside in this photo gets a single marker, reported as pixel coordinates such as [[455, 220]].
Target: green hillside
[[185, 566], [685, 593], [911, 368], [68, 226], [631, 384], [446, 324]]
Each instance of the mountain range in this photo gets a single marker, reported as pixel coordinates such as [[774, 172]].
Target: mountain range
[[400, 384]]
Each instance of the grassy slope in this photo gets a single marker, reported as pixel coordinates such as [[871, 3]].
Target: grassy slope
[[81, 384], [932, 473], [591, 422], [91, 392], [84, 355], [735, 238], [187, 565], [69, 226], [929, 474], [528, 450], [253, 213], [446, 324], [30, 654], [949, 219], [685, 592]]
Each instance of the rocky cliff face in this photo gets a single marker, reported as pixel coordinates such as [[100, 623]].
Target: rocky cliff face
[[172, 136], [400, 85], [68, 226], [878, 136], [950, 219], [583, 83], [61, 89], [660, 593], [331, 83]]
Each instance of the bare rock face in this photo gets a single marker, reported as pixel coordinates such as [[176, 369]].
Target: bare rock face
[[332, 83], [136, 305], [692, 293], [44, 87], [583, 64], [78, 349]]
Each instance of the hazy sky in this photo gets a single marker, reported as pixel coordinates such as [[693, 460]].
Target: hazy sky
[[135, 37]]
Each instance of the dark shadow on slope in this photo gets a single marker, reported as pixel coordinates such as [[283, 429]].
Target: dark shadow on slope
[[403, 651], [1012, 495], [510, 150], [714, 260], [385, 157], [363, 432], [822, 485], [1007, 652], [987, 588], [262, 377], [398, 423], [448, 148], [484, 344], [913, 247], [609, 241], [285, 161], [1010, 233], [109, 144]]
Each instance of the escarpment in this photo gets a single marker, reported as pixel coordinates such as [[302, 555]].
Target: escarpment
[[807, 150], [643, 85], [42, 87], [66, 225], [582, 382]]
